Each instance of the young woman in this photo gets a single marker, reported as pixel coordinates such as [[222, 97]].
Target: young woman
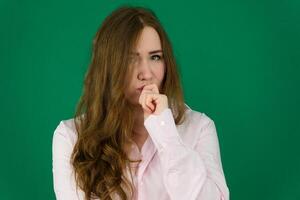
[[132, 136]]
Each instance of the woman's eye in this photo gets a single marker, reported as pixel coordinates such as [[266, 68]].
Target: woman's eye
[[156, 57]]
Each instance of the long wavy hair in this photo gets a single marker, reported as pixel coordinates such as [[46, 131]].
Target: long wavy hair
[[104, 117]]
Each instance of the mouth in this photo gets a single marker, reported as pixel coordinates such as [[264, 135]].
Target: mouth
[[140, 88]]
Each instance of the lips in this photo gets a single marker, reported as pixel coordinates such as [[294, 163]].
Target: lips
[[141, 88]]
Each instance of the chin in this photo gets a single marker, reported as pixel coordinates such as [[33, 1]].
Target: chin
[[133, 100]]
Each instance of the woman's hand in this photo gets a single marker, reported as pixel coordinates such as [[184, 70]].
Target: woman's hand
[[151, 101]]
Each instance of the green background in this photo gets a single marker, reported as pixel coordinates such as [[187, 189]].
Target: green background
[[239, 62]]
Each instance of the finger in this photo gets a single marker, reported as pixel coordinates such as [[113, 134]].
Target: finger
[[150, 110], [149, 102], [142, 95], [152, 87], [143, 103], [152, 100], [147, 108]]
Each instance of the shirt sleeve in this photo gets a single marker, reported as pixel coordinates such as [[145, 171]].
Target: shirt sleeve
[[188, 173], [63, 179]]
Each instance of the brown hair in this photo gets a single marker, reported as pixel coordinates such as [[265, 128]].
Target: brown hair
[[104, 118]]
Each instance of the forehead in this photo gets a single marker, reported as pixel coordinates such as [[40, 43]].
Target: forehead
[[148, 42], [149, 52]]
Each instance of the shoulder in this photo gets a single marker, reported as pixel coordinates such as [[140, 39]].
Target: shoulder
[[196, 119], [65, 133], [64, 139], [195, 125]]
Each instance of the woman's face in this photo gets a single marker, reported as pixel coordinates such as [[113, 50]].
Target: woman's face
[[147, 62]]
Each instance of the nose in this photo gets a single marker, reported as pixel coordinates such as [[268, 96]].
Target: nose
[[145, 71]]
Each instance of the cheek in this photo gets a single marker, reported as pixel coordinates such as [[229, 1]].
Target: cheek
[[130, 80], [128, 87], [160, 72], [131, 86]]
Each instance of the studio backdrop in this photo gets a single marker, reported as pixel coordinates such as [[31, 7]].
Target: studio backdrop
[[239, 63]]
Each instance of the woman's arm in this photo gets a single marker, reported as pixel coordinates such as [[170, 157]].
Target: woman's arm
[[63, 178], [192, 174]]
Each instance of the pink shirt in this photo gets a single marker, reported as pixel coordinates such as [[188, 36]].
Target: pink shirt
[[178, 161]]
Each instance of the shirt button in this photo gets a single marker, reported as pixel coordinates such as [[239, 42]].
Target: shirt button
[[162, 123]]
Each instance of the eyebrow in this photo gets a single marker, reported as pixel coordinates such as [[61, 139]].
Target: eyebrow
[[151, 52]]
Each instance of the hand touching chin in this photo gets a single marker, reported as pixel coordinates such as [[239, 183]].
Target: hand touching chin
[[151, 101]]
